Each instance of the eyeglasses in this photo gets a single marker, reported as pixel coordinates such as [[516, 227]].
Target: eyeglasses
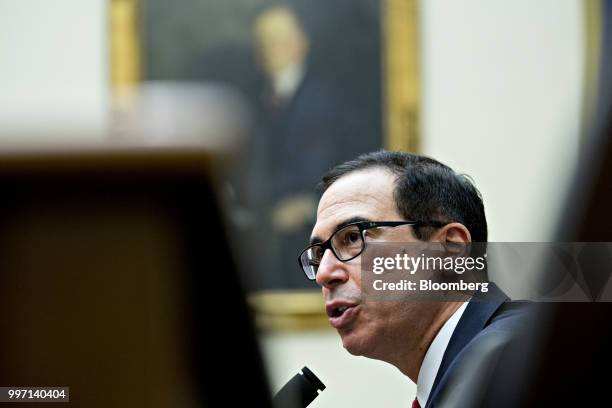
[[347, 243]]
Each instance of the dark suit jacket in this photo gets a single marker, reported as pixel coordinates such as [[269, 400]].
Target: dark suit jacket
[[491, 335]]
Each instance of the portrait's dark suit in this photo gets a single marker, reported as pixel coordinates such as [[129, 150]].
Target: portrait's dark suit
[[305, 134], [490, 339], [300, 138], [305, 138]]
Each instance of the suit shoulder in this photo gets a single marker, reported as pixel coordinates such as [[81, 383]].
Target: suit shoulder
[[512, 317]]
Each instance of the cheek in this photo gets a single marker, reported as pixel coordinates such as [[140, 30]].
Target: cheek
[[355, 270], [378, 315]]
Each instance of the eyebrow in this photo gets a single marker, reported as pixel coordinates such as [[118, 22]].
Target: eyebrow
[[317, 240]]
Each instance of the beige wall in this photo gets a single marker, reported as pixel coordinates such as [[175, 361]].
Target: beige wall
[[502, 83], [54, 69]]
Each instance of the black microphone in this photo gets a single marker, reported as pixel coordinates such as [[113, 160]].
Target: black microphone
[[299, 391]]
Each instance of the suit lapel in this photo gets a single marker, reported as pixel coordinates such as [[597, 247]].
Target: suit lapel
[[475, 317]]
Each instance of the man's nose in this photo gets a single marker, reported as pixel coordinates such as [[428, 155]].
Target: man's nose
[[331, 272]]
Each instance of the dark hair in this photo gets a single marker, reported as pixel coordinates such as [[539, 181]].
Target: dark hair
[[426, 190]]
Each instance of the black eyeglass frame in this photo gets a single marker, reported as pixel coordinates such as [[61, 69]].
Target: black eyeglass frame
[[363, 226]]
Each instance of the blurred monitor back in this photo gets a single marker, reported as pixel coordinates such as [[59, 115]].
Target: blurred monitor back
[[118, 282]]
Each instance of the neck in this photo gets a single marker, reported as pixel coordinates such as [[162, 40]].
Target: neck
[[409, 361]]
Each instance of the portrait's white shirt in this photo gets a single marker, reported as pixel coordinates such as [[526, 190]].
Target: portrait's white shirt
[[286, 83], [433, 357]]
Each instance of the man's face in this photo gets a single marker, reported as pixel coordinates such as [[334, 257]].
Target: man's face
[[367, 328]]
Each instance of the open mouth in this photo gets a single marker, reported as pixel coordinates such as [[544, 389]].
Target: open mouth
[[341, 314], [339, 311]]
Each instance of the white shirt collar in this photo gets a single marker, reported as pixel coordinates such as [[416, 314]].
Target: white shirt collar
[[285, 83], [433, 357]]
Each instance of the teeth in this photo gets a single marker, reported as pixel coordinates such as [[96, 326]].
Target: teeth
[[342, 309]]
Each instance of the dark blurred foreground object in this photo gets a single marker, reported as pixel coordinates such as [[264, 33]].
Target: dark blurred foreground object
[[574, 365], [299, 391], [117, 281]]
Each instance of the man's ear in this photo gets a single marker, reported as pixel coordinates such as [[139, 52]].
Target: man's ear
[[454, 236]]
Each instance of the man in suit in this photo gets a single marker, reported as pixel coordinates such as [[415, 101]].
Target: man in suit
[[430, 342]]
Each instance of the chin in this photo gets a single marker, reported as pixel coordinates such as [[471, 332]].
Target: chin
[[356, 343]]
